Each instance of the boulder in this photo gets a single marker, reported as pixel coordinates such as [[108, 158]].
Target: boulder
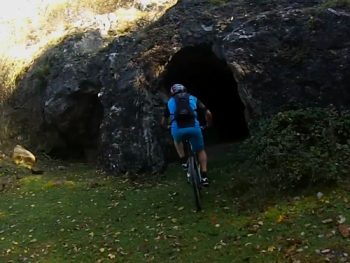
[[23, 157]]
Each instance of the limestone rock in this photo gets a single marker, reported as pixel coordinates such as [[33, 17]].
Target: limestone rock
[[265, 57], [23, 157]]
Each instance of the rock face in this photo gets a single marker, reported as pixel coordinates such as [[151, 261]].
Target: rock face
[[292, 56], [263, 57], [63, 113]]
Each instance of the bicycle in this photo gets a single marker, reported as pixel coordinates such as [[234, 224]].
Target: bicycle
[[193, 173]]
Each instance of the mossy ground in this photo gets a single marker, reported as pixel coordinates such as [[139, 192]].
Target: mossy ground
[[72, 213]]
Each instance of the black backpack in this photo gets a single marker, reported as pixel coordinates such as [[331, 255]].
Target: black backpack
[[184, 114]]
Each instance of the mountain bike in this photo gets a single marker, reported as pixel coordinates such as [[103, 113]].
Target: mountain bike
[[193, 172]]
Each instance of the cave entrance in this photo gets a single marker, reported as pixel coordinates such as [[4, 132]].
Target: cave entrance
[[211, 80], [79, 135]]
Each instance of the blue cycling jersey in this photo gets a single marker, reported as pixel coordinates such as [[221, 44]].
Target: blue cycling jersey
[[172, 108], [194, 133]]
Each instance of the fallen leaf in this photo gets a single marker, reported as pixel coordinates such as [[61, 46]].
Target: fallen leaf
[[319, 195], [325, 251], [111, 256], [291, 250], [217, 247], [344, 230], [280, 219], [271, 248], [214, 220], [341, 219], [327, 221]]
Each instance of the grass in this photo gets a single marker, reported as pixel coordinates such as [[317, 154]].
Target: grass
[[74, 214]]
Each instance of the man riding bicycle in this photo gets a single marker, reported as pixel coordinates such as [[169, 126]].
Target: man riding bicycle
[[182, 109]]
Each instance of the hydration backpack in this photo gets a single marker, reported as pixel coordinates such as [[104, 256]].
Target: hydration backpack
[[184, 114]]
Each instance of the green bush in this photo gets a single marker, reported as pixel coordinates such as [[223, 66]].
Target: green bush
[[336, 4], [301, 147]]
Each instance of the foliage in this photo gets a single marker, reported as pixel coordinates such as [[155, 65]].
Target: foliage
[[301, 147], [27, 37], [9, 72], [41, 73], [336, 3], [67, 11]]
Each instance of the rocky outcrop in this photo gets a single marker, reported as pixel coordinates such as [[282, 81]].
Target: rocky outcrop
[[63, 113], [294, 56], [286, 56], [280, 54]]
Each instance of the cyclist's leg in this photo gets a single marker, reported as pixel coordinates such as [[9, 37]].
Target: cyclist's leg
[[203, 160], [179, 149], [177, 137], [198, 145]]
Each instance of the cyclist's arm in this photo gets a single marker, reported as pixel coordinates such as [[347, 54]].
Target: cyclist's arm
[[208, 117], [165, 117], [207, 113]]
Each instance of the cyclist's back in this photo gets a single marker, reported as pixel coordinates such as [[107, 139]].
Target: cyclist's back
[[182, 110]]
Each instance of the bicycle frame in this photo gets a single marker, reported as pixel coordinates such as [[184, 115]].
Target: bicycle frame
[[194, 172]]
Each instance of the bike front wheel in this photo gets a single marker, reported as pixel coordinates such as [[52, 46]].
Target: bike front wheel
[[195, 181]]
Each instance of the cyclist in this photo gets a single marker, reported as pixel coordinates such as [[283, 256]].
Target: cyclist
[[181, 126]]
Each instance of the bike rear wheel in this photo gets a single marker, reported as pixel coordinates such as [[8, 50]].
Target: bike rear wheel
[[195, 181]]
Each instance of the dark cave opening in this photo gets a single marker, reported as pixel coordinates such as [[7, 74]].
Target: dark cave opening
[[211, 80], [79, 135]]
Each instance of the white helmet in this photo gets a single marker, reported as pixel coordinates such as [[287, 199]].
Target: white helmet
[[177, 88]]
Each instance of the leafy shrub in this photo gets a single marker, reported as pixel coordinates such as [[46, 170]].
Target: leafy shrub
[[10, 70], [342, 4], [336, 4], [301, 147], [25, 38]]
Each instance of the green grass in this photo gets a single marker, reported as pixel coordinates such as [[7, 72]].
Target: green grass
[[79, 215]]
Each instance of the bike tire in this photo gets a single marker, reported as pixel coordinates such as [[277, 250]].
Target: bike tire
[[195, 181]]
